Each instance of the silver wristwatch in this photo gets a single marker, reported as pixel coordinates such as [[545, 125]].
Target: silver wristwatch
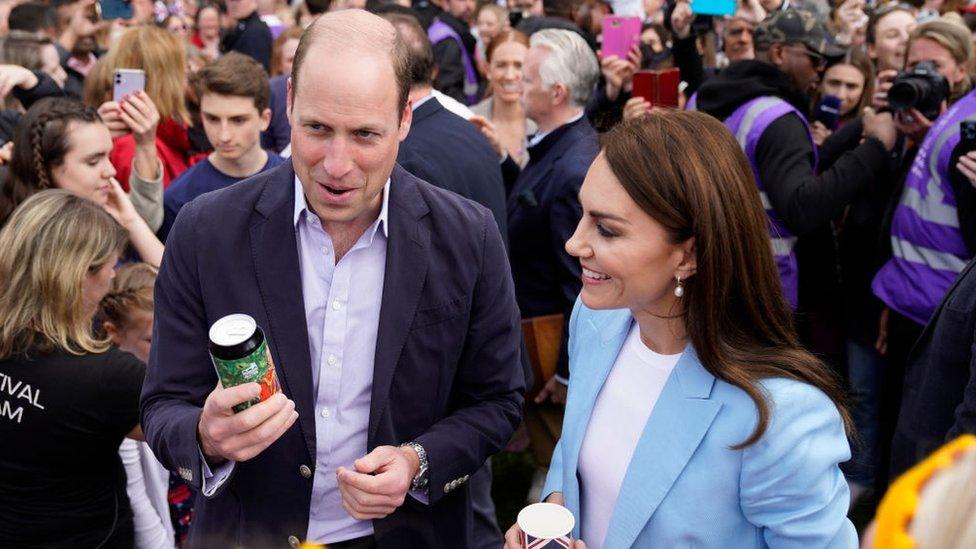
[[420, 479]]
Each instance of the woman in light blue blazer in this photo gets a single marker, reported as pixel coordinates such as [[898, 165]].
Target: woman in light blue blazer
[[694, 417]]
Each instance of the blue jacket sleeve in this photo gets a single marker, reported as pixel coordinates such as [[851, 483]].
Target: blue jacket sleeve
[[791, 486]]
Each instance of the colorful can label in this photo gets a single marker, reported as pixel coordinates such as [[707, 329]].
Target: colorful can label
[[240, 355]]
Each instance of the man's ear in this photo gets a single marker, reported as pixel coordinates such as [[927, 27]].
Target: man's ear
[[777, 54], [560, 94], [265, 119], [405, 120], [289, 102]]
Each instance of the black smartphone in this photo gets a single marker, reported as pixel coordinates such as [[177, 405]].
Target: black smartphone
[[967, 136]]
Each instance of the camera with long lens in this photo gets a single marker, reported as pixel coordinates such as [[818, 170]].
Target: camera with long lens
[[921, 88]]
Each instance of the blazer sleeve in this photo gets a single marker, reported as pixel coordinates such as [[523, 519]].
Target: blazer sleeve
[[791, 486], [489, 382], [180, 373], [564, 216]]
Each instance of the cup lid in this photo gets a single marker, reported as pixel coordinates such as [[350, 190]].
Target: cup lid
[[546, 520]]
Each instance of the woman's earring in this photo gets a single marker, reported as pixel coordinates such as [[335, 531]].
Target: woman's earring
[[679, 290]]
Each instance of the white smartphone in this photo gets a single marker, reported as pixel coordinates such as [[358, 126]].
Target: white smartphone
[[126, 82]]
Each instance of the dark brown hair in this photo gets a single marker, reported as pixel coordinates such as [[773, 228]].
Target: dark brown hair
[[686, 171], [40, 144], [234, 74]]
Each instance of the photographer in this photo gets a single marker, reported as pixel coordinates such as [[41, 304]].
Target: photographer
[[929, 240]]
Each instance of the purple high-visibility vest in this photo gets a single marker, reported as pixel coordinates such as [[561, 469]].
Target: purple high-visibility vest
[[926, 242], [747, 124], [440, 31]]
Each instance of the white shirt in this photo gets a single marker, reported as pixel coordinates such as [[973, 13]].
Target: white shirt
[[619, 415]]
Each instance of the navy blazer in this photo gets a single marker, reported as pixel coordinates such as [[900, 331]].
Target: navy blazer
[[939, 401], [446, 374], [543, 211], [444, 149], [278, 134]]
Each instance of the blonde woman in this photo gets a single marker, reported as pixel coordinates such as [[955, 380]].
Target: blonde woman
[[162, 55], [68, 398]]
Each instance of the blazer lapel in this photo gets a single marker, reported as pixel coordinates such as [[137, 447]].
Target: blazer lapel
[[589, 373], [678, 423], [406, 269], [274, 251]]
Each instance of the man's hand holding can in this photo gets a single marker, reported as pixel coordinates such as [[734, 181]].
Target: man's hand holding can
[[226, 435]]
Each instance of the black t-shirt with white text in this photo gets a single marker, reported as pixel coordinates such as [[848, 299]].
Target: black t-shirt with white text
[[62, 418]]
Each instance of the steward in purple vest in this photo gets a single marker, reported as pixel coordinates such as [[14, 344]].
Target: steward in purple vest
[[929, 248], [763, 103], [454, 53]]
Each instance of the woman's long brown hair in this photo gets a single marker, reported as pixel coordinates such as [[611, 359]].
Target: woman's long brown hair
[[686, 171]]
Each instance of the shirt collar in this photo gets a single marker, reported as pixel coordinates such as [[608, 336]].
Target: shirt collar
[[422, 100], [382, 221], [537, 138]]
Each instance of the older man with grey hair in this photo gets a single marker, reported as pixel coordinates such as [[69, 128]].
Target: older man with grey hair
[[559, 74]]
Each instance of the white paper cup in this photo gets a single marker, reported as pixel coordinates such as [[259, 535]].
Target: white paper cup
[[546, 526]]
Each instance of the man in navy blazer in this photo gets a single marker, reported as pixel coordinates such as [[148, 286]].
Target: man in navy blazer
[[442, 148], [445, 384]]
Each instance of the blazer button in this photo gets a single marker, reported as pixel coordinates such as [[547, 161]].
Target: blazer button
[[305, 471], [293, 541]]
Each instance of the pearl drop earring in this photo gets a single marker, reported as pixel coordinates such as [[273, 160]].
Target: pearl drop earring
[[679, 290]]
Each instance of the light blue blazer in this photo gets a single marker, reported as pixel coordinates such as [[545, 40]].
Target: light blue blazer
[[684, 486]]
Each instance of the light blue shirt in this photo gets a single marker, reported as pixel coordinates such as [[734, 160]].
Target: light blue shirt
[[342, 312]]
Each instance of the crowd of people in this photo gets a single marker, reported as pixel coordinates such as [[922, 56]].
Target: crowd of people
[[762, 302]]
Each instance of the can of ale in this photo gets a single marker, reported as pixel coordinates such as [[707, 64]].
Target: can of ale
[[240, 354]]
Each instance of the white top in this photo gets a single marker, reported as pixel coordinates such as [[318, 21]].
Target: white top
[[619, 415]]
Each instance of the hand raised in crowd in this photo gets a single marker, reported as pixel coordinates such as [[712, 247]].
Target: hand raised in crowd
[[636, 107], [619, 73], [681, 18], [852, 18], [966, 166], [225, 435], [379, 483], [751, 10], [488, 130], [879, 125], [15, 76], [553, 390], [820, 132], [513, 537], [111, 115], [882, 83], [140, 115], [914, 124]]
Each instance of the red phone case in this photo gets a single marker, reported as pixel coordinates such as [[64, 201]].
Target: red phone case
[[659, 88]]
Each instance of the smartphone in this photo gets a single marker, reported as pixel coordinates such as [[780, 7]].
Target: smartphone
[[967, 136], [713, 7], [828, 112], [620, 34], [659, 88], [126, 82], [115, 9]]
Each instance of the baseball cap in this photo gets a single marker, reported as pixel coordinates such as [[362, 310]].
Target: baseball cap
[[793, 26]]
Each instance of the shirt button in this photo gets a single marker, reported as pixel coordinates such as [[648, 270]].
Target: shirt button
[[332, 360], [336, 305], [325, 413], [305, 471]]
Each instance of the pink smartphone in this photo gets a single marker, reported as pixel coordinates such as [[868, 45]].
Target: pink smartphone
[[620, 34]]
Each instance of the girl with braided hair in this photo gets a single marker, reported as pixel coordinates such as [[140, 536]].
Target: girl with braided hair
[[61, 143]]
